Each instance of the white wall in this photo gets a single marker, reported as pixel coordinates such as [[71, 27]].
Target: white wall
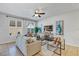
[[71, 26], [5, 29], [4, 32], [48, 21]]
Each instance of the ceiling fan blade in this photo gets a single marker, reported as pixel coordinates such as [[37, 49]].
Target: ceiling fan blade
[[40, 13]]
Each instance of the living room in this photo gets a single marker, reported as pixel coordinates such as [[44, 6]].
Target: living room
[[39, 29]]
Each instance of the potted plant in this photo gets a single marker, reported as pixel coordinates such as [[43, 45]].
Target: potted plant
[[36, 30]]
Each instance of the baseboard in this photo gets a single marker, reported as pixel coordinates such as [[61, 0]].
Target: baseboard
[[71, 44], [8, 42]]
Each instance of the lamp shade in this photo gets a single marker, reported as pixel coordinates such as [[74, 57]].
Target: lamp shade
[[30, 26]]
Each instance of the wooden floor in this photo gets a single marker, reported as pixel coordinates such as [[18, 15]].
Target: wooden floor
[[11, 50], [71, 51]]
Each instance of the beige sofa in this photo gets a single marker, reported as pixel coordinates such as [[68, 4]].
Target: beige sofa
[[33, 48], [28, 49]]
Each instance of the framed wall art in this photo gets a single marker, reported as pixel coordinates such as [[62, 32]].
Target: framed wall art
[[60, 27]]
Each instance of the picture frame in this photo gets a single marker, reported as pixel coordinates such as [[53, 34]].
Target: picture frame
[[60, 27]]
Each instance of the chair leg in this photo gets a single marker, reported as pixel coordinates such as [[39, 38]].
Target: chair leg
[[60, 52], [64, 44], [63, 48], [60, 48]]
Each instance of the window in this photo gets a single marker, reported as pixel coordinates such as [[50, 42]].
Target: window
[[12, 23], [19, 24]]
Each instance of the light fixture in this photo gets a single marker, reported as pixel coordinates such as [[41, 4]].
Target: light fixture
[[38, 13], [30, 25]]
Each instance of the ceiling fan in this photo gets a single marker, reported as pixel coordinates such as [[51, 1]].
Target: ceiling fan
[[38, 13]]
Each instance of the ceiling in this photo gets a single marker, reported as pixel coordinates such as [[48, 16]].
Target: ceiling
[[26, 10]]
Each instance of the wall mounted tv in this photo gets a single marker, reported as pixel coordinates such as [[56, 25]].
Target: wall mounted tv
[[48, 28]]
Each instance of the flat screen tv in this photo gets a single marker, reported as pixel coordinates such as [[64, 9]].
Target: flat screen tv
[[48, 28]]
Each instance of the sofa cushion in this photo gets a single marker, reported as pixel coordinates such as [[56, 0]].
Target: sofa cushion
[[31, 39]]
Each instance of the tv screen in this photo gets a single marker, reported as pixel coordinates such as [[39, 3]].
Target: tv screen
[[48, 28]]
